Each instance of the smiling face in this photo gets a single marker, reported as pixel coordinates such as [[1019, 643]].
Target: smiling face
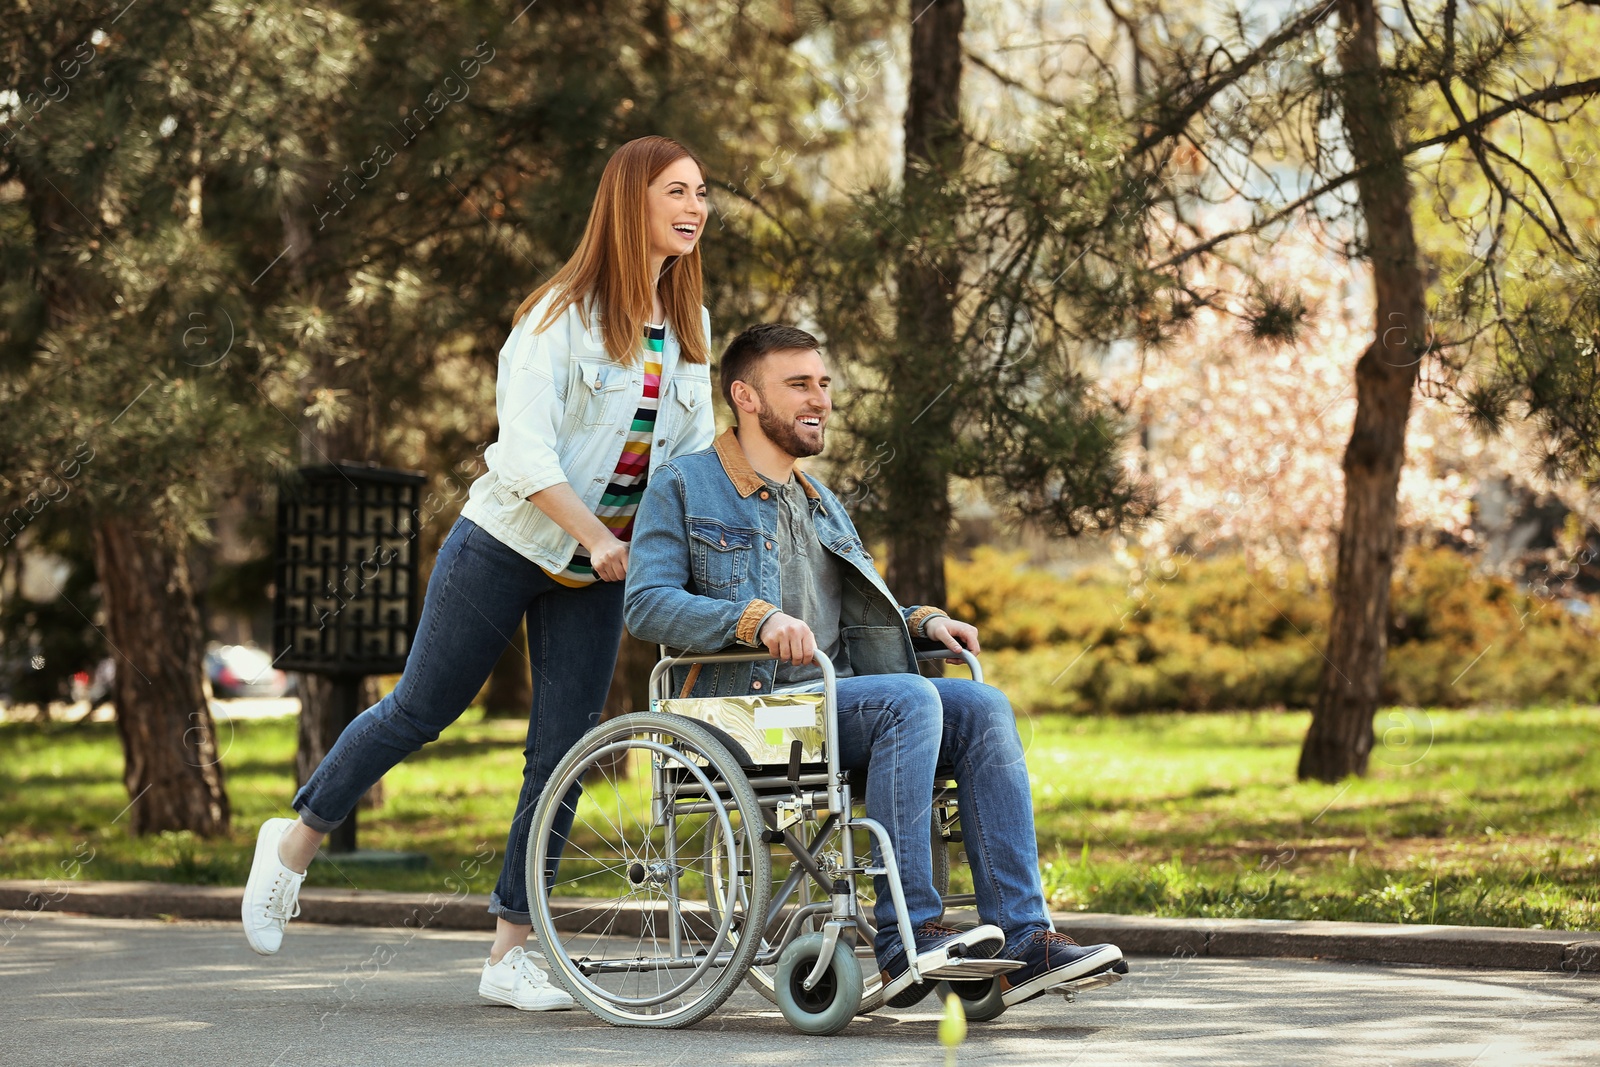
[[678, 209], [791, 399]]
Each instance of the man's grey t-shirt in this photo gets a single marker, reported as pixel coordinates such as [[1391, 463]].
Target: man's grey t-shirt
[[811, 581]]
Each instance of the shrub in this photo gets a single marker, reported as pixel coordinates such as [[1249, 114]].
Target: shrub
[[1217, 634]]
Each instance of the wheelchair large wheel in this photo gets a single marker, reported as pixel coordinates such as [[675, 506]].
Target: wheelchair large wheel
[[980, 998], [941, 863], [627, 917]]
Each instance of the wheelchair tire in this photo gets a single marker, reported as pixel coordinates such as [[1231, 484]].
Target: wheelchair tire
[[980, 998], [647, 947], [829, 1006]]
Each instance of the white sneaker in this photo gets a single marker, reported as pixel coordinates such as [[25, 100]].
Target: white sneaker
[[516, 980], [272, 895]]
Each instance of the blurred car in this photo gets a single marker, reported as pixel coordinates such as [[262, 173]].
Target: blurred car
[[243, 671], [95, 687]]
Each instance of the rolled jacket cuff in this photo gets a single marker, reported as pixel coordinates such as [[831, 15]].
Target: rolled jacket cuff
[[918, 620], [750, 621], [521, 488], [756, 633]]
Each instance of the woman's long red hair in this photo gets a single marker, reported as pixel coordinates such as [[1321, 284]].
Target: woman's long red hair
[[612, 264]]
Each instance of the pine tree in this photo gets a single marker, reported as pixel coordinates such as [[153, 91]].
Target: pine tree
[[138, 169], [964, 307], [240, 239]]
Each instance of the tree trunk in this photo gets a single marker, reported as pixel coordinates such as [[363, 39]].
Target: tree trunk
[[917, 484], [1341, 736], [630, 682], [318, 731], [630, 692], [171, 763], [510, 694]]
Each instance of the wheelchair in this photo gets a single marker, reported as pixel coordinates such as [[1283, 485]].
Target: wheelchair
[[652, 853]]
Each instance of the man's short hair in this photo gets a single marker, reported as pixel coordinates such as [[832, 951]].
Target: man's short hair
[[745, 352]]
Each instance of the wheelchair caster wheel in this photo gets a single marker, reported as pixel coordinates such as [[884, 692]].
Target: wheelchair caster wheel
[[980, 998], [827, 1007]]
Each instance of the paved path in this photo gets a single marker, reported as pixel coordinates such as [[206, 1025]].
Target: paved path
[[80, 991], [1440, 946]]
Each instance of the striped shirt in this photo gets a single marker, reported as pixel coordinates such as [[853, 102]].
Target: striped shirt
[[621, 499]]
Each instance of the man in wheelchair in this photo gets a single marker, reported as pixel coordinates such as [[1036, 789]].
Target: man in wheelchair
[[733, 546]]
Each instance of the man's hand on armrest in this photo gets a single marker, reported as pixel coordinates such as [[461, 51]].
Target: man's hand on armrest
[[952, 634], [787, 638]]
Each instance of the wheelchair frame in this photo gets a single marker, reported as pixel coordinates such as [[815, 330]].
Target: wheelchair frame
[[818, 984]]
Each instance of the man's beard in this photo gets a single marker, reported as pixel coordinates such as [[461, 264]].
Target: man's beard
[[784, 435]]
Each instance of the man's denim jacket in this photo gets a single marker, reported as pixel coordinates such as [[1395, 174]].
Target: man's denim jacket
[[703, 573]]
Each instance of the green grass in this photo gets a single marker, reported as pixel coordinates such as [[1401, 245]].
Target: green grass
[[1477, 818], [1481, 818]]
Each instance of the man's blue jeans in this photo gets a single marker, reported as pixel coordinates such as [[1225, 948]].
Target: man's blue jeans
[[479, 591], [899, 726]]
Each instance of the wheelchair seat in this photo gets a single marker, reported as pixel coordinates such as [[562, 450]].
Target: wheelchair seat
[[943, 777]]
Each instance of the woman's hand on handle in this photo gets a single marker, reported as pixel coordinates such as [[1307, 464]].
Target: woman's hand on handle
[[610, 558], [562, 503]]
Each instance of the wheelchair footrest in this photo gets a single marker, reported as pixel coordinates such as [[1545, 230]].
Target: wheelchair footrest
[[1088, 982], [971, 968]]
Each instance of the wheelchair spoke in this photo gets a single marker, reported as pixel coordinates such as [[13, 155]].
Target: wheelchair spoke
[[650, 939]]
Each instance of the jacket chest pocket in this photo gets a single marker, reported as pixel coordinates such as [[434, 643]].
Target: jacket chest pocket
[[689, 395], [600, 391], [691, 392], [720, 554]]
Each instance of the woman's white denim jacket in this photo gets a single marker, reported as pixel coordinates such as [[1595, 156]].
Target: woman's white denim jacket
[[565, 407]]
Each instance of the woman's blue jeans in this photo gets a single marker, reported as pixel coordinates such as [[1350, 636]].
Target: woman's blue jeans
[[898, 727], [479, 591]]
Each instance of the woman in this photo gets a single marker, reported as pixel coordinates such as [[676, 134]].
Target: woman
[[586, 411]]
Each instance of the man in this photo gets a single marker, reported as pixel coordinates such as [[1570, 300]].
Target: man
[[733, 546]]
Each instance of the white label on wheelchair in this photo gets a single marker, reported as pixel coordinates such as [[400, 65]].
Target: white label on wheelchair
[[763, 726], [786, 717]]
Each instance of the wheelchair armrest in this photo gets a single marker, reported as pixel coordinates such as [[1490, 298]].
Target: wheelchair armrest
[[669, 660], [929, 649]]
